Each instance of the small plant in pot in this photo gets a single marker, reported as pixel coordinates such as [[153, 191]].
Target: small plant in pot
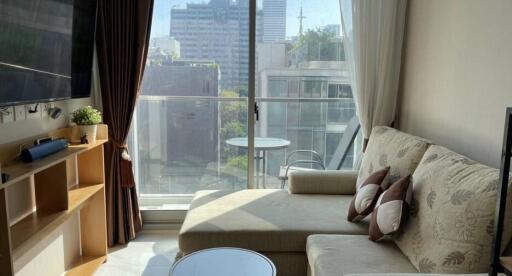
[[87, 119]]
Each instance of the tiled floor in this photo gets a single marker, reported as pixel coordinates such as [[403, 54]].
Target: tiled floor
[[150, 254]]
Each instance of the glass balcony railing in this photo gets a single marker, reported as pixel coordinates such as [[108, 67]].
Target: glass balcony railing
[[179, 143]]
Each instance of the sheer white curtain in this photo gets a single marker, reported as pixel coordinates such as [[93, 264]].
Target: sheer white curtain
[[373, 31]]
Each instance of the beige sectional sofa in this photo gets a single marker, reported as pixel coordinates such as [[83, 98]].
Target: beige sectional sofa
[[304, 230]]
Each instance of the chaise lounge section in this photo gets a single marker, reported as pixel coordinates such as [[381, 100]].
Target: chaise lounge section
[[277, 223], [304, 230]]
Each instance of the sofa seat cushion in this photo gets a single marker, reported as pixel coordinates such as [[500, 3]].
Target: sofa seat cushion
[[263, 220], [451, 222], [338, 255]]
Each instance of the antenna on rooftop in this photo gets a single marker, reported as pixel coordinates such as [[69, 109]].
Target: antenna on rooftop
[[301, 17]]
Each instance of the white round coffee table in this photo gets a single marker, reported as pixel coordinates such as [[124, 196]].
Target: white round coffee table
[[224, 261]]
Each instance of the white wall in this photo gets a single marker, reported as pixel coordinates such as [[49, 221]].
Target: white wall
[[12, 132], [457, 74]]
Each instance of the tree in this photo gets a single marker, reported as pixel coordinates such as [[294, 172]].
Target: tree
[[321, 45], [233, 124]]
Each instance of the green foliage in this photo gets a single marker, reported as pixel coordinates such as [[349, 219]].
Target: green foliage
[[213, 65], [238, 162], [233, 129], [235, 92], [242, 91], [86, 116], [233, 112], [229, 94], [321, 45], [233, 124], [228, 131], [318, 35], [156, 62], [233, 115]]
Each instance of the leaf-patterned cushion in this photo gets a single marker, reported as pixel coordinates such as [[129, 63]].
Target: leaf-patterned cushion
[[451, 222], [390, 147]]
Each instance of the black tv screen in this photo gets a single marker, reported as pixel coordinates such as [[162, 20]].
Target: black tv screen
[[46, 50]]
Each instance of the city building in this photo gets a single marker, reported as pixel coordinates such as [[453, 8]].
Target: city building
[[165, 45], [271, 55], [316, 50], [172, 132], [274, 20], [219, 31], [259, 26], [315, 124]]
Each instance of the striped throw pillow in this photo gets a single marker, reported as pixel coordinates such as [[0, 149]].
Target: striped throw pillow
[[364, 200], [391, 210]]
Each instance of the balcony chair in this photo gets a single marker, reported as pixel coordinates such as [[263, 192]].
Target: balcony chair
[[347, 140]]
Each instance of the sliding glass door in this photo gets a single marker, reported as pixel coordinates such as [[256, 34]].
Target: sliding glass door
[[302, 89], [227, 95], [194, 98]]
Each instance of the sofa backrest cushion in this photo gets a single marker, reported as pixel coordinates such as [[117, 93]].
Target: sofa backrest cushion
[[451, 221], [390, 147]]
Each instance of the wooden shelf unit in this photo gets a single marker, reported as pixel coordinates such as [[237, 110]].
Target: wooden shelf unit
[[65, 183]]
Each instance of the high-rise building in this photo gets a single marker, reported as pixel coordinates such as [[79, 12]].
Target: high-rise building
[[315, 126], [174, 132], [218, 31], [274, 20], [259, 26]]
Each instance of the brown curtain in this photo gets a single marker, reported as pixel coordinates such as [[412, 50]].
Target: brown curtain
[[122, 39]]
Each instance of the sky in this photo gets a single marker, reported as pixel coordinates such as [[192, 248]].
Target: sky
[[316, 15]]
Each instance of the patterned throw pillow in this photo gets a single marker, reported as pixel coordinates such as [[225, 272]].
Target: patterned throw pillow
[[366, 197], [391, 209]]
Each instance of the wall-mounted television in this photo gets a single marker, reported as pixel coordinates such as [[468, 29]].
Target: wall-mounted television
[[46, 50]]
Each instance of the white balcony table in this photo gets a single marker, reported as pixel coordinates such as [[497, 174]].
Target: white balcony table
[[224, 261], [261, 146]]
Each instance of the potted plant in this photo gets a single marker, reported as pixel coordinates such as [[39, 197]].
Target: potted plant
[[87, 119]]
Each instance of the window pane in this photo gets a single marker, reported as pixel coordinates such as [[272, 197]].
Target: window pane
[[194, 95], [193, 99], [303, 85]]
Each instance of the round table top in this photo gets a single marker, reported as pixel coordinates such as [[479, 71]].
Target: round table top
[[224, 261], [260, 143]]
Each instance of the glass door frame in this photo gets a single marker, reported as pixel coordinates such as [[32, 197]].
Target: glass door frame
[[183, 200], [251, 104]]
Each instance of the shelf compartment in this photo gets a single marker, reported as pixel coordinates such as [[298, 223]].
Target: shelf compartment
[[30, 230], [86, 265], [19, 170]]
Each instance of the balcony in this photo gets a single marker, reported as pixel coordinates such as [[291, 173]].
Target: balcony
[[179, 144]]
